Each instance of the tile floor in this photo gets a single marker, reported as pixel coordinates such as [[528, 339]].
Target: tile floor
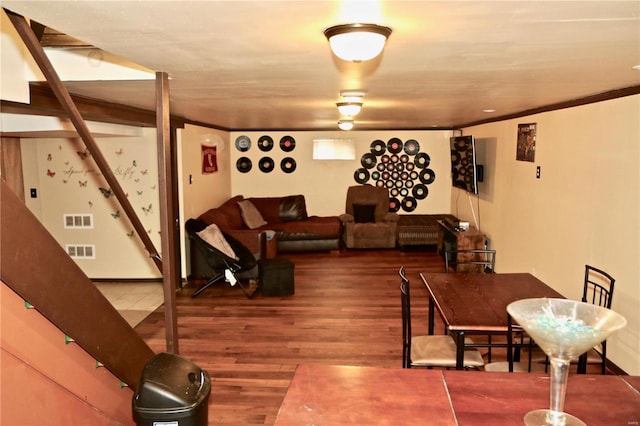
[[134, 301]]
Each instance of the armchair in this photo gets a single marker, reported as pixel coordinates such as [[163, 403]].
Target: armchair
[[367, 221]]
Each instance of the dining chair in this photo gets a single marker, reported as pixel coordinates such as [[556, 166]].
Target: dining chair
[[429, 350], [518, 343], [474, 261], [597, 290], [477, 260]]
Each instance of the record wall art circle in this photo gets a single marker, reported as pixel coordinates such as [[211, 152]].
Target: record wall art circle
[[399, 166], [265, 143], [266, 164], [288, 165], [243, 165], [287, 143]]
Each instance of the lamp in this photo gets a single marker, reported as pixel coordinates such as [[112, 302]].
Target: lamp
[[345, 124], [349, 108], [351, 102], [357, 42]]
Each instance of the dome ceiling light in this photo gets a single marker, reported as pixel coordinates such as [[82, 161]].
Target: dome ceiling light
[[345, 124], [357, 42], [351, 102]]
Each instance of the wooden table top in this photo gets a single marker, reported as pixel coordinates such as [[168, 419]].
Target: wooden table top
[[478, 302], [330, 395]]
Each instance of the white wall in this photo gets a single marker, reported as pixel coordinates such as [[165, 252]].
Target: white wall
[[324, 183], [585, 208]]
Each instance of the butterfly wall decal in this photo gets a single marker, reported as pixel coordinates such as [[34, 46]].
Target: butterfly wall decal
[[90, 203], [144, 172], [82, 183], [50, 173], [83, 154], [139, 192], [153, 187], [130, 234], [119, 152], [134, 163], [64, 181], [49, 157], [107, 192], [116, 214], [147, 210]]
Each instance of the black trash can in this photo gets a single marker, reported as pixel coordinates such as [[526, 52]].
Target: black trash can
[[173, 391]]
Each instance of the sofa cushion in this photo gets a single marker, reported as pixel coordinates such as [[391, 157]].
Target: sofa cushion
[[250, 215], [293, 207], [269, 207], [227, 216], [364, 213]]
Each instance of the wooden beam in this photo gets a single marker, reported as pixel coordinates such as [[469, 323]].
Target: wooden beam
[[36, 267], [34, 47], [167, 221]]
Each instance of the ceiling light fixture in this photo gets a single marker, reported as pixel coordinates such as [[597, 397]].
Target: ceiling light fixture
[[349, 108], [345, 124], [357, 42]]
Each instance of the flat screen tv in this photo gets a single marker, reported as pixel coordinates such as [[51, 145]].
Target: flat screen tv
[[464, 173]]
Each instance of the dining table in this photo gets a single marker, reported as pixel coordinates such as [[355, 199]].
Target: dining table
[[356, 395], [471, 304]]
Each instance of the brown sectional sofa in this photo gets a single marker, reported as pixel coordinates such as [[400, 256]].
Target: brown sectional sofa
[[287, 216]]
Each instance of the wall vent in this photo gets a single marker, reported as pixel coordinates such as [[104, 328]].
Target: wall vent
[[81, 251], [78, 221]]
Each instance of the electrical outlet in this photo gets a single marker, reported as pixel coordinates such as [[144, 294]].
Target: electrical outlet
[[34, 193], [538, 172]]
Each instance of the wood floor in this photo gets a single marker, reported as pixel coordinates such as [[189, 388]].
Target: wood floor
[[345, 311]]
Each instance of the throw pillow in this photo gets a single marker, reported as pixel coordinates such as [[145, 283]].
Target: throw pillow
[[250, 214], [213, 236], [364, 213]]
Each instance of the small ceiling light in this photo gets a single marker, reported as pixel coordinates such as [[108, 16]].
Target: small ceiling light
[[345, 124], [488, 110], [357, 42], [349, 108]]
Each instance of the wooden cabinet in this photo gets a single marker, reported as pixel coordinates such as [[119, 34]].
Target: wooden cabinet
[[450, 239]]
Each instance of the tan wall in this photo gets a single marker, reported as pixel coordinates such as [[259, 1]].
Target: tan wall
[[324, 183], [68, 183], [48, 382], [584, 209]]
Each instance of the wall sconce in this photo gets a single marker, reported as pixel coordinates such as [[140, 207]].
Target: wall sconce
[[357, 42], [345, 124]]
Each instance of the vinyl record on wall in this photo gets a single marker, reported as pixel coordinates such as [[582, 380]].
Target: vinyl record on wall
[[385, 159], [380, 167], [420, 191], [427, 176], [422, 160], [378, 147], [266, 164], [288, 164], [409, 204], [361, 175], [265, 143], [243, 164], [243, 143], [368, 160], [394, 145], [287, 143], [375, 175], [394, 205], [411, 147]]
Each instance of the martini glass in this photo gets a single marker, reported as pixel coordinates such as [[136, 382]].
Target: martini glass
[[564, 329]]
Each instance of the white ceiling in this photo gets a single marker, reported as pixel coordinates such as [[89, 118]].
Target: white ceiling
[[266, 65]]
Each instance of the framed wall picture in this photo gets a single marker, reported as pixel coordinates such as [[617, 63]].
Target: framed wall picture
[[526, 142]]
